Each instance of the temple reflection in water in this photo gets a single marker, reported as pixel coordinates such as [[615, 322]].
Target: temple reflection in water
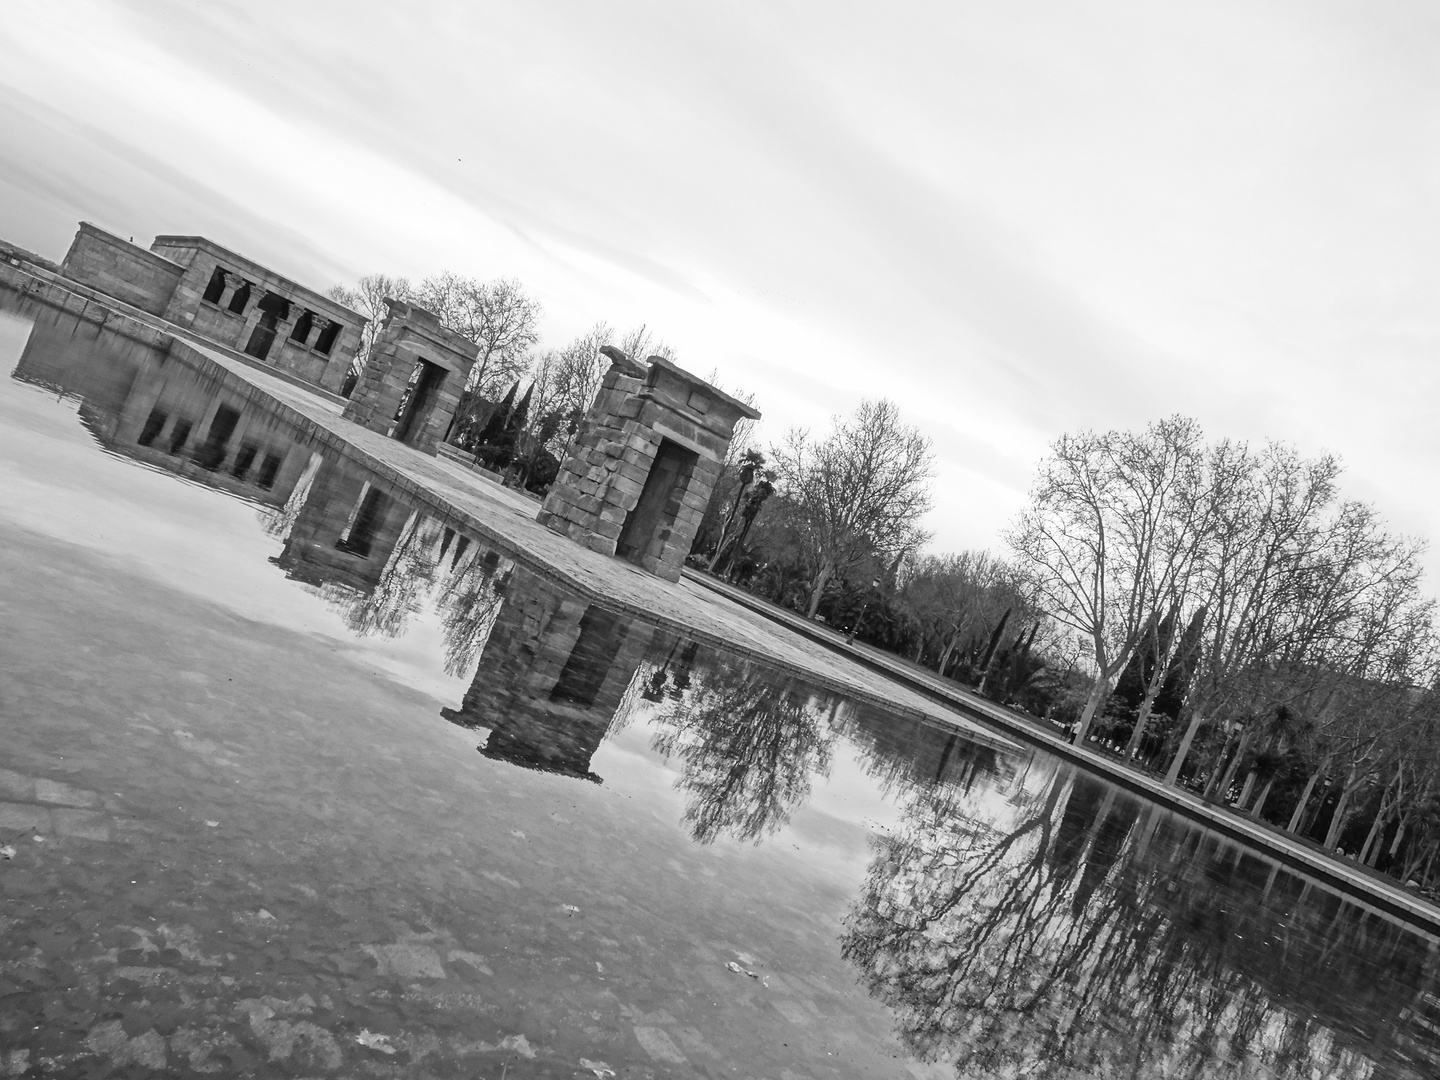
[[552, 676], [165, 415]]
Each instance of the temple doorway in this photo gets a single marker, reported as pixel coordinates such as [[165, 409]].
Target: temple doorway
[[659, 503], [419, 398]]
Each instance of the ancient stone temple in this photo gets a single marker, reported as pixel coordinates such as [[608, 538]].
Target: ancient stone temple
[[640, 471], [413, 379], [224, 298]]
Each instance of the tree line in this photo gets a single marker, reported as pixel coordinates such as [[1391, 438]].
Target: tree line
[[1211, 610]]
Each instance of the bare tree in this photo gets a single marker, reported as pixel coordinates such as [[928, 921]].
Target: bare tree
[[748, 748], [956, 598], [577, 370], [859, 491], [1114, 527], [499, 316], [641, 344], [368, 298]]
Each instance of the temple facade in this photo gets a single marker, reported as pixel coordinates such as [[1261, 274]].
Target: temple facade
[[346, 530], [553, 674], [640, 471], [222, 297], [635, 480], [413, 379]]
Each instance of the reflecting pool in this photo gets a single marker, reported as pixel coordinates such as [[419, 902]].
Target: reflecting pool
[[300, 778]]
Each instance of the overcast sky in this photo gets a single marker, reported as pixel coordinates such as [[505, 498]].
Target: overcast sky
[[1014, 220]]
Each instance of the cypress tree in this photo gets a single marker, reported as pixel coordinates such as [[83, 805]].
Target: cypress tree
[[521, 413], [490, 445], [1182, 668], [495, 425], [990, 650]]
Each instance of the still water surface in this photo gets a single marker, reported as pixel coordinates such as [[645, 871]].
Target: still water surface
[[242, 691]]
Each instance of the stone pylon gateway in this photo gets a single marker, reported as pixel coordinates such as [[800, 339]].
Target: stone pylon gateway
[[413, 378], [640, 471]]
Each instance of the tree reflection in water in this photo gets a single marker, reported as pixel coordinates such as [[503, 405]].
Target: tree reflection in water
[[1085, 937], [748, 748], [402, 585], [469, 599]]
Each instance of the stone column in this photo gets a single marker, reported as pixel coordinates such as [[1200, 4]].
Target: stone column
[[201, 431], [282, 331], [342, 352], [315, 321], [297, 459], [144, 397], [251, 320], [228, 293]]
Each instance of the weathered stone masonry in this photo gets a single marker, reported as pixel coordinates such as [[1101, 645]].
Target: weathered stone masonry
[[226, 298], [639, 473], [414, 377]]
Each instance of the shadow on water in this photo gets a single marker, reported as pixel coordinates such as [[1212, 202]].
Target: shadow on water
[[1019, 918]]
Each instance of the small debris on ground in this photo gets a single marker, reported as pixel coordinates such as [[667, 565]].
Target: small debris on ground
[[213, 824], [519, 1044], [733, 966], [570, 909], [7, 852], [599, 1068], [372, 1041], [38, 838]]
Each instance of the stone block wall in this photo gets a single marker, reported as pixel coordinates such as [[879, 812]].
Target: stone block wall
[[410, 335], [314, 338], [121, 269], [301, 357], [610, 461]]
